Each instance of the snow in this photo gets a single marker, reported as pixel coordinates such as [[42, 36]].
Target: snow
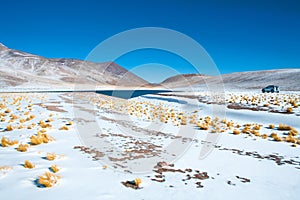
[[83, 177]]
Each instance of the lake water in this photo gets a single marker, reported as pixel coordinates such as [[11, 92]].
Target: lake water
[[127, 94]]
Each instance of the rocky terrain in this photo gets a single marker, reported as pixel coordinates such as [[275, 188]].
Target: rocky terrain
[[287, 79], [25, 70]]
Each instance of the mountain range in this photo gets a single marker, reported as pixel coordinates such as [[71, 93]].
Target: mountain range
[[25, 70], [18, 68]]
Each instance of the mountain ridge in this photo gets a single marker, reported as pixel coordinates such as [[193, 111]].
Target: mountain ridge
[[287, 79], [21, 68]]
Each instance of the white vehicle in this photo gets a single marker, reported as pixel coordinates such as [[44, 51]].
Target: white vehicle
[[271, 88]]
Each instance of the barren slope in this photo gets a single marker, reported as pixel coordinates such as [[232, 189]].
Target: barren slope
[[23, 69], [287, 79]]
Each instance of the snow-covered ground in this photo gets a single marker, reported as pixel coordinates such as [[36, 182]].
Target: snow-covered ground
[[101, 142]]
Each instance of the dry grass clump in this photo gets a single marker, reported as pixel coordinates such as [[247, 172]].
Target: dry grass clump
[[255, 132], [291, 139], [9, 128], [44, 124], [256, 127], [284, 127], [293, 132], [70, 123], [247, 129], [5, 142], [54, 168], [203, 126], [51, 156], [2, 119], [264, 136], [276, 137], [28, 164], [289, 110], [48, 179], [5, 168], [36, 140], [7, 111], [273, 135], [40, 138], [104, 166], [22, 147], [236, 132], [65, 128], [271, 126], [137, 181]]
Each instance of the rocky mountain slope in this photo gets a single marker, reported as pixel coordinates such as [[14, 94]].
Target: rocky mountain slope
[[287, 79], [22, 69]]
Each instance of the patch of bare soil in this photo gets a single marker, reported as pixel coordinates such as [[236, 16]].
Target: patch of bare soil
[[95, 153], [163, 167], [242, 107], [243, 180], [256, 108], [55, 108], [279, 160], [130, 184]]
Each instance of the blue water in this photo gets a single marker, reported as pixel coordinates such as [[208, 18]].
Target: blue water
[[127, 94]]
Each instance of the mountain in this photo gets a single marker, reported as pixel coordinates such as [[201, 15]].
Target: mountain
[[22, 69], [183, 80], [287, 79]]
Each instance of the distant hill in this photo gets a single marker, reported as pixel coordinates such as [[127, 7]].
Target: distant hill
[[287, 79], [22, 69], [25, 70]]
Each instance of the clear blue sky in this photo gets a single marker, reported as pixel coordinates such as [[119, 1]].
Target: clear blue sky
[[239, 35]]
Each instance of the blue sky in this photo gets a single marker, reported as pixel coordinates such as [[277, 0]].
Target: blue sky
[[238, 35]]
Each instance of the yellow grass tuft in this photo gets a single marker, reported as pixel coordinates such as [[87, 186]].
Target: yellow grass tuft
[[271, 126], [5, 142], [291, 139], [284, 127], [28, 164], [9, 128], [51, 156], [203, 126], [289, 110], [48, 179], [264, 136], [236, 132], [23, 147], [246, 129], [35, 140], [65, 128], [256, 133], [293, 132], [54, 168], [278, 139], [256, 127], [137, 181], [40, 138], [273, 135], [7, 111]]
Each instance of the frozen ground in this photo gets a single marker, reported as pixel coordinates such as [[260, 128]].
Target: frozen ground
[[175, 144]]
